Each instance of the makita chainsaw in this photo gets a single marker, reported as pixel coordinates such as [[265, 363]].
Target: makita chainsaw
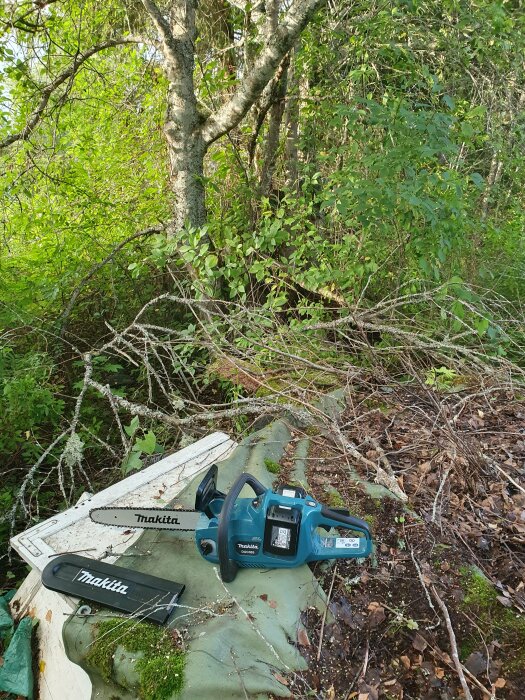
[[275, 529]]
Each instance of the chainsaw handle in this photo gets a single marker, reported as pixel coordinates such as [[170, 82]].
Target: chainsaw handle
[[333, 518], [228, 567]]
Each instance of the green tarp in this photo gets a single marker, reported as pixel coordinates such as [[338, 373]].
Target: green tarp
[[241, 637], [16, 676]]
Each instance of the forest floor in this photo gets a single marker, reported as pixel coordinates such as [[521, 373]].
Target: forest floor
[[457, 548]]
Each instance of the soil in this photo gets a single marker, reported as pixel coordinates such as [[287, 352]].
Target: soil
[[385, 634]]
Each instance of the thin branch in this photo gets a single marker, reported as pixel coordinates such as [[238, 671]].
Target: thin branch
[[61, 78], [453, 646], [139, 234], [264, 68]]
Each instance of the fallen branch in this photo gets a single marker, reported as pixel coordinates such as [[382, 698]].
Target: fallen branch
[[453, 644], [321, 633], [389, 481]]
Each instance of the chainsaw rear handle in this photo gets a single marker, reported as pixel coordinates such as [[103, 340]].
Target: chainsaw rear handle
[[334, 518], [228, 567]]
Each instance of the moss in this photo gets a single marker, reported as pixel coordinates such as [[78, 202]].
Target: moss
[[479, 591], [334, 499], [497, 621], [160, 667], [299, 380], [370, 519], [271, 466]]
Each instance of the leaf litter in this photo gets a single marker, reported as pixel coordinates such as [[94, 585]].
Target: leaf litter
[[462, 533]]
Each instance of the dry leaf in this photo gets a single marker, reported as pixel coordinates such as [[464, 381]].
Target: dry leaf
[[49, 615], [302, 637], [419, 643], [377, 614], [330, 693], [439, 672], [280, 678], [504, 601], [363, 696], [405, 661], [500, 683]]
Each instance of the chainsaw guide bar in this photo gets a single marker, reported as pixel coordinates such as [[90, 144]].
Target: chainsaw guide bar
[[146, 518]]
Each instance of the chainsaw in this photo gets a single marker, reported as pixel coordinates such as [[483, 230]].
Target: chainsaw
[[272, 530]]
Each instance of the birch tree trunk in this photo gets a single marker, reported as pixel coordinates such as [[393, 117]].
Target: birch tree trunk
[[188, 132]]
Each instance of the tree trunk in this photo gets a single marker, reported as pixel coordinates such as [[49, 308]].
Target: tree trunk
[[292, 113], [189, 134], [185, 144]]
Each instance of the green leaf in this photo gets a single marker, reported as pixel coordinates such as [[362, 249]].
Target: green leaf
[[482, 326], [447, 99], [477, 179], [131, 463], [146, 444], [131, 429]]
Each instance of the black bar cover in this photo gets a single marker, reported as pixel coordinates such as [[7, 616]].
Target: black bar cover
[[145, 596]]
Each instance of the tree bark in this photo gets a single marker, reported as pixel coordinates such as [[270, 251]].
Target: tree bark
[[188, 133], [292, 113], [186, 147], [276, 110]]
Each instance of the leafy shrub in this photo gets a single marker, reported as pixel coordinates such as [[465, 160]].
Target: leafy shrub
[[28, 402]]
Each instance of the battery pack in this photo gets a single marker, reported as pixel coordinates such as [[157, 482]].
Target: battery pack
[[281, 530], [143, 596]]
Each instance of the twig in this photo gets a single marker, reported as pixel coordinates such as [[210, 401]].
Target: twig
[[387, 480], [438, 493], [453, 645], [360, 675], [422, 581], [325, 614], [512, 481], [238, 673]]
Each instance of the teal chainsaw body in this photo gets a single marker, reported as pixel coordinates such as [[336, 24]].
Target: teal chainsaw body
[[269, 530], [273, 529]]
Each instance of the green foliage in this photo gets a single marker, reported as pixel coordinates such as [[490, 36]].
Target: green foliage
[[441, 378], [160, 666], [145, 445], [272, 466], [28, 401]]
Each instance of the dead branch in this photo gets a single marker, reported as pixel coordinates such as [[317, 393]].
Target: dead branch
[[453, 644]]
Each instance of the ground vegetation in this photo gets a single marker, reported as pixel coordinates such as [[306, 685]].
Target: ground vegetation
[[215, 213]]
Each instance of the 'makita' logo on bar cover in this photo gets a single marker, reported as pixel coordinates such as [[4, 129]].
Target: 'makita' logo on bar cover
[[109, 584]]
